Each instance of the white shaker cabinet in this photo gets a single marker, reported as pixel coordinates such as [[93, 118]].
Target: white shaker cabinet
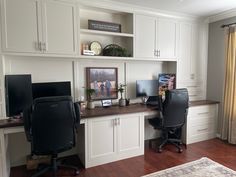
[[112, 138], [156, 38], [145, 45], [59, 27], [201, 123], [39, 26], [21, 25]]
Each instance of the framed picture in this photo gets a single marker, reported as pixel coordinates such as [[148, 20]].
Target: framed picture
[[106, 103], [103, 81], [166, 82]]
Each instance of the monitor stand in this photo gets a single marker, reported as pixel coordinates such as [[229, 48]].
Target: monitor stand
[[145, 99]]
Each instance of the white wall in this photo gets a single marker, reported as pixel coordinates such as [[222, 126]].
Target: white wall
[[216, 63]]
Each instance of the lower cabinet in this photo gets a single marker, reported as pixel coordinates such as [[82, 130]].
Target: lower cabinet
[[201, 123], [112, 138]]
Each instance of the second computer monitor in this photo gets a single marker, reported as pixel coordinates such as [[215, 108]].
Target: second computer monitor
[[48, 89], [146, 88]]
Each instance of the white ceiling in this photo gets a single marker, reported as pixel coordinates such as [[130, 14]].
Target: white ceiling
[[203, 8]]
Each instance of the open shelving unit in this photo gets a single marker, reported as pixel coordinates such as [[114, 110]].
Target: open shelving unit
[[125, 38]]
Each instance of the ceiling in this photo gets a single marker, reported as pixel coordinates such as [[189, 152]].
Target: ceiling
[[203, 8]]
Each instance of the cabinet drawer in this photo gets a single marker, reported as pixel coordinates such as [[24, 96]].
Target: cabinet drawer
[[201, 129], [206, 111]]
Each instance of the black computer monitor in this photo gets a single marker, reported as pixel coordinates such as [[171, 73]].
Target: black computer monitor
[[47, 89], [18, 89], [146, 88]]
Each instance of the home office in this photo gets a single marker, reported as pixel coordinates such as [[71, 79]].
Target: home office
[[178, 46]]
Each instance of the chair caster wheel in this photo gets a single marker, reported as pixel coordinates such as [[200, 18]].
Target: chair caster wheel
[[180, 150], [76, 172], [159, 150]]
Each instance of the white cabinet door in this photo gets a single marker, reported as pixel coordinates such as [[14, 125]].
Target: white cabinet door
[[184, 62], [102, 138], [20, 19], [131, 136], [59, 27], [167, 38], [145, 36]]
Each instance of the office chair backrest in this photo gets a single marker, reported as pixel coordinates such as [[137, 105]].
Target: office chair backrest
[[53, 121], [175, 107]]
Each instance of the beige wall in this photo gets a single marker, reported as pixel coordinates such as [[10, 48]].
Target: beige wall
[[216, 59]]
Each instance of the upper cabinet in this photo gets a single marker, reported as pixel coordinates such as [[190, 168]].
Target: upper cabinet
[[191, 70], [39, 26], [156, 38], [104, 33]]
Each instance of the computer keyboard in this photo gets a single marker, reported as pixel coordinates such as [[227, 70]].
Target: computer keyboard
[[152, 103]]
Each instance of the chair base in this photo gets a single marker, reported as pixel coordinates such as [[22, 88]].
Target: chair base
[[54, 167], [175, 142]]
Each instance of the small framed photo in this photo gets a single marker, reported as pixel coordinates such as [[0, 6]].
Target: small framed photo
[[106, 103]]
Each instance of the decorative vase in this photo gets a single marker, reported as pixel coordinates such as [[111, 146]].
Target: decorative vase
[[91, 105], [122, 102]]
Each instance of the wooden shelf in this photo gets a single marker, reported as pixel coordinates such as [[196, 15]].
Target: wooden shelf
[[96, 32]]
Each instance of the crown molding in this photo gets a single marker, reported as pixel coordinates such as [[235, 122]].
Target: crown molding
[[222, 16], [124, 7]]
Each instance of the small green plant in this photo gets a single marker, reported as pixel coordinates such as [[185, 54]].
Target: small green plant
[[121, 89], [89, 93]]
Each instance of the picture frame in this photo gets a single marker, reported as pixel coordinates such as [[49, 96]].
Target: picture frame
[[104, 81], [166, 81], [106, 103]]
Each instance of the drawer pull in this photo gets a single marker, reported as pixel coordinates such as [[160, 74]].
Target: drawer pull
[[192, 86], [203, 113], [201, 130], [192, 95]]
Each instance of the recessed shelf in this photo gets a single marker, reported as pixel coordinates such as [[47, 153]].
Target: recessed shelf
[[96, 32]]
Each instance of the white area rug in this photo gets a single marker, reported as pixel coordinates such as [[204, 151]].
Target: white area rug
[[203, 167]]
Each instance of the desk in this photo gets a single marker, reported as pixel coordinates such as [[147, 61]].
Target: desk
[[105, 134]]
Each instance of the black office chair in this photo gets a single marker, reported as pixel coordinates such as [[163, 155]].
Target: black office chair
[[173, 113], [50, 125]]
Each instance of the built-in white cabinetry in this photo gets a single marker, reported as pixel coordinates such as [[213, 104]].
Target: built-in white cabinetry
[[156, 38], [201, 123], [39, 26], [112, 138], [191, 65]]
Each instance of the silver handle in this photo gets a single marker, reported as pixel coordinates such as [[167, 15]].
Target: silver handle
[[45, 45], [192, 95], [159, 53], [192, 86], [40, 46], [204, 129], [114, 122], [118, 120], [202, 113]]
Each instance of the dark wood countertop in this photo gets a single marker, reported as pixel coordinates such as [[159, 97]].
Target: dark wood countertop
[[114, 110]]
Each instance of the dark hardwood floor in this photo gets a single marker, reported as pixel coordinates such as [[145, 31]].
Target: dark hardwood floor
[[214, 149]]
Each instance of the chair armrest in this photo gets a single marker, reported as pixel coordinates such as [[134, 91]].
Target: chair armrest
[[27, 122], [77, 113]]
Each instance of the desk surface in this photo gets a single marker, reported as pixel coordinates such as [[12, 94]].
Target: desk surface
[[114, 110]]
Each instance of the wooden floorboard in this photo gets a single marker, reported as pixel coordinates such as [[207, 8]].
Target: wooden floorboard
[[214, 149]]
